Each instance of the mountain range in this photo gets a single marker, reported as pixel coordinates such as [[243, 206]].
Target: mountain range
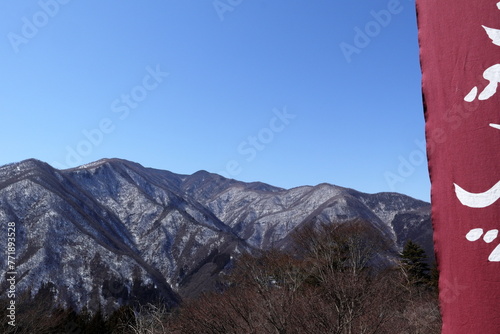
[[113, 231]]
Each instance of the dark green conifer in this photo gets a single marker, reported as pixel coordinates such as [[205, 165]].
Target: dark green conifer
[[413, 259]]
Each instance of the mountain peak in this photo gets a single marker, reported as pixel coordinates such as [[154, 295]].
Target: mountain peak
[[32, 163], [104, 161], [25, 167]]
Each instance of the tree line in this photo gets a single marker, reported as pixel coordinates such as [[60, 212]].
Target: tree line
[[333, 278]]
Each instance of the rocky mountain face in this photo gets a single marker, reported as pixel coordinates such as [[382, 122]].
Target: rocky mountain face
[[111, 231]]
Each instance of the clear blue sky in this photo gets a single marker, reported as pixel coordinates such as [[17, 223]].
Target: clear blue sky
[[285, 92]]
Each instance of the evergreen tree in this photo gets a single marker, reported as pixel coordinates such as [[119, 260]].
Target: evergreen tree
[[96, 324], [413, 259], [434, 276]]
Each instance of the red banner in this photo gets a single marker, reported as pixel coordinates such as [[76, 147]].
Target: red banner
[[460, 60]]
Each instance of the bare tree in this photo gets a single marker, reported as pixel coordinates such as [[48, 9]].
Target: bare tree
[[333, 282], [150, 319]]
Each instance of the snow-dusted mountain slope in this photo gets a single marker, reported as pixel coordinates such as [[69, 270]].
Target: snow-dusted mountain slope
[[111, 231]]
